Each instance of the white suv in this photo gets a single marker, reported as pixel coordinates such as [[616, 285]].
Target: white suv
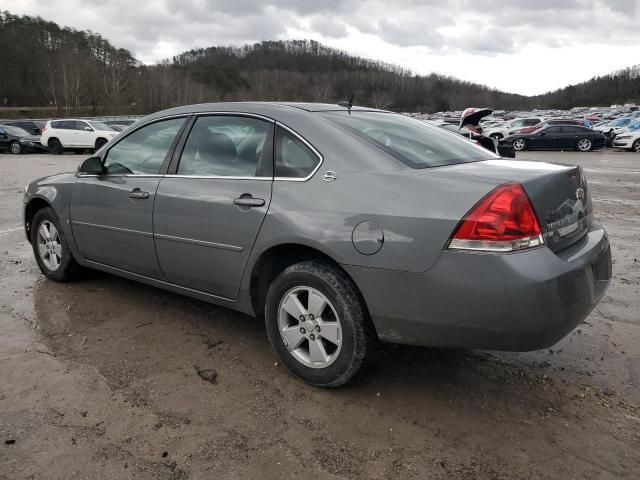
[[61, 135], [511, 127]]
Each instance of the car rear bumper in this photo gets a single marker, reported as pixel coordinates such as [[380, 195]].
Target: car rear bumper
[[519, 302]]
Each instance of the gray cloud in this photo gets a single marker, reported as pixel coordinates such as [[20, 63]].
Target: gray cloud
[[479, 27]]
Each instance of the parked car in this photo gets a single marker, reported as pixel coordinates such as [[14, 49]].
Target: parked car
[[71, 134], [32, 126], [16, 140], [628, 141], [470, 127], [338, 225], [546, 123], [613, 127], [557, 137], [121, 122], [511, 127]]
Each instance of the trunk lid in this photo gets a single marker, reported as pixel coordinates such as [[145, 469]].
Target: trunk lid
[[559, 194]]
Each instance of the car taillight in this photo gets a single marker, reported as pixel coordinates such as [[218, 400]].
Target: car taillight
[[503, 221]]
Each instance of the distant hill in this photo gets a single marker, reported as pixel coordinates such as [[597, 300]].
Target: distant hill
[[45, 65]]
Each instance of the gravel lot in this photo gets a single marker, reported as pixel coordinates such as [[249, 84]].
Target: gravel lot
[[97, 379]]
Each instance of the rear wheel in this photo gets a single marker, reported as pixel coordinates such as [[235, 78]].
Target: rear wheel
[[584, 145], [636, 146], [15, 148], [55, 146], [50, 247], [317, 323], [497, 137], [519, 144]]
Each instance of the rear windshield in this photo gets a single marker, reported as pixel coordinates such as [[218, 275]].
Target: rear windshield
[[411, 141]]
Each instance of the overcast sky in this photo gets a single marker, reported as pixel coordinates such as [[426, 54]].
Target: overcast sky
[[521, 46]]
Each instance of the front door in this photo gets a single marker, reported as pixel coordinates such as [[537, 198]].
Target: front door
[[112, 213], [209, 211]]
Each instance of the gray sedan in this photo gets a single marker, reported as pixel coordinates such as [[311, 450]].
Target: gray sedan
[[340, 226]]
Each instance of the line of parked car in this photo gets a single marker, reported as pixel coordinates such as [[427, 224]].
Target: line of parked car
[[58, 136], [541, 133]]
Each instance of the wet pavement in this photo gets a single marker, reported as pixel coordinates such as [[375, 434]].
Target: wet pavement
[[99, 379]]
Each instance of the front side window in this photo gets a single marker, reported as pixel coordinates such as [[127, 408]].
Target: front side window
[[143, 151], [226, 146], [81, 125], [294, 159], [413, 142], [553, 130]]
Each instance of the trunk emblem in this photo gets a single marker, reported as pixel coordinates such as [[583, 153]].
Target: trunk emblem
[[329, 176], [579, 194]]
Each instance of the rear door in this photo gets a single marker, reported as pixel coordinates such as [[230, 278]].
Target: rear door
[[83, 137], [112, 214], [210, 206]]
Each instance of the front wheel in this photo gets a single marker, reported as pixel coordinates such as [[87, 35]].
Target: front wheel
[[636, 146], [15, 148], [497, 137], [519, 144], [317, 323], [584, 145], [100, 143], [50, 247]]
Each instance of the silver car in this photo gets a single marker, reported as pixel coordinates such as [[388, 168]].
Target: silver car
[[340, 226]]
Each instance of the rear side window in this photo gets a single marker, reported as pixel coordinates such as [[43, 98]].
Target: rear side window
[[227, 146], [294, 159], [530, 122], [63, 125], [143, 151], [553, 130], [411, 141]]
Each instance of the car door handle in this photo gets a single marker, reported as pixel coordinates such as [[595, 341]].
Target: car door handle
[[248, 201], [138, 194]]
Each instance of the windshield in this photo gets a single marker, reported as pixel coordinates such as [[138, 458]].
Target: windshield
[[17, 131], [100, 126], [411, 141], [620, 122], [632, 126]]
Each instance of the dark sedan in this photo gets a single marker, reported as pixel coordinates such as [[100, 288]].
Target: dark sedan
[[31, 126], [557, 137], [16, 140]]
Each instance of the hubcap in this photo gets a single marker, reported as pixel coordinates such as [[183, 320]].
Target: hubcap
[[49, 245], [518, 144], [15, 148], [310, 327]]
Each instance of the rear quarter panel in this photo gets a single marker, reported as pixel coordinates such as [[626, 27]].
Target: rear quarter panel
[[416, 209]]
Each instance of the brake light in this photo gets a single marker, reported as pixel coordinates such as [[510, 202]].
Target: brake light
[[503, 221]]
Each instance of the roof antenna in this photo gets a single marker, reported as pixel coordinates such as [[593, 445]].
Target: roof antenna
[[349, 104]]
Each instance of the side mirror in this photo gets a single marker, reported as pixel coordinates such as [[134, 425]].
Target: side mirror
[[88, 129], [92, 165]]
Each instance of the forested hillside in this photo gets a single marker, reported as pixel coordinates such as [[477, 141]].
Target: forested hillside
[[71, 71]]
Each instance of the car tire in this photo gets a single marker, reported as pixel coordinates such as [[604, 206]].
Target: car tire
[[584, 145], [15, 148], [51, 248], [55, 146], [497, 137], [100, 142], [636, 146], [519, 144], [332, 344]]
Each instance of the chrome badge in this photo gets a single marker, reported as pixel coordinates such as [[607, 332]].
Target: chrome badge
[[580, 194], [329, 176]]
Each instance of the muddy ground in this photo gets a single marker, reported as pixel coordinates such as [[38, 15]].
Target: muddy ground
[[97, 379]]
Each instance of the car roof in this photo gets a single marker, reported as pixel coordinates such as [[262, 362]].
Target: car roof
[[263, 108]]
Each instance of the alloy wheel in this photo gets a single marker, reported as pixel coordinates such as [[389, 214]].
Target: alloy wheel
[[636, 146], [584, 145], [49, 245], [15, 148], [519, 144], [310, 327]]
